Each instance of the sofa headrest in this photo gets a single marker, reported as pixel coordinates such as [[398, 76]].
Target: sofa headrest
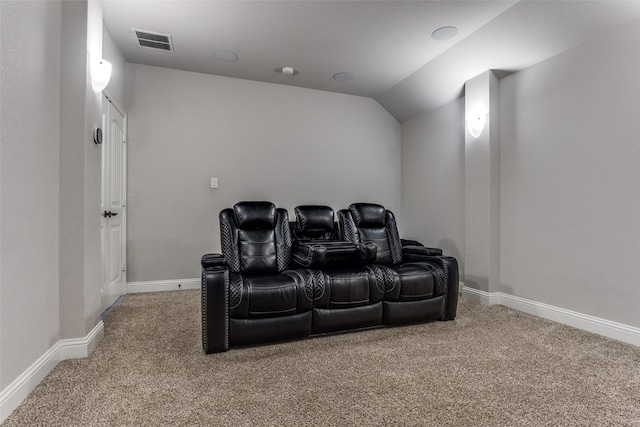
[[314, 219], [255, 215], [368, 215]]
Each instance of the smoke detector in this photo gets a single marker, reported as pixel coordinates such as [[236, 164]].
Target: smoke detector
[[287, 71]]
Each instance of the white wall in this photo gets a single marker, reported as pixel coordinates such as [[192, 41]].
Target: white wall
[[80, 171], [262, 141], [29, 168], [433, 179], [110, 52], [570, 179], [92, 280], [49, 190]]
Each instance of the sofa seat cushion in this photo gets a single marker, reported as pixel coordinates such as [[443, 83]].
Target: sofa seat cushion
[[348, 288], [272, 295], [408, 282], [416, 282]]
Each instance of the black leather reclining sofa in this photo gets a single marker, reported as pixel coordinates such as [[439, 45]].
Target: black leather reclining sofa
[[277, 280]]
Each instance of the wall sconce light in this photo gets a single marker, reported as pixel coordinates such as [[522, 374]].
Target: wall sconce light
[[100, 74], [476, 119]]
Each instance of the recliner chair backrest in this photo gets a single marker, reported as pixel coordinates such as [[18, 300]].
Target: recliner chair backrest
[[314, 222], [255, 238], [363, 222]]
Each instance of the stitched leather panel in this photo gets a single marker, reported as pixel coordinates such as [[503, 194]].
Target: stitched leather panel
[[229, 240], [387, 279], [303, 279], [347, 227], [319, 284], [394, 238], [283, 240], [235, 290]]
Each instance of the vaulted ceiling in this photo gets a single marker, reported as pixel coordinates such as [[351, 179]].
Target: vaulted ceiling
[[387, 46]]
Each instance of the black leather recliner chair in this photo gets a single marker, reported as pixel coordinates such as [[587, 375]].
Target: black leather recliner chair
[[268, 286], [419, 283], [350, 298], [247, 297]]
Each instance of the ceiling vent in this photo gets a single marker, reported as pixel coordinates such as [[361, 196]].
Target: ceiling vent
[[153, 40]]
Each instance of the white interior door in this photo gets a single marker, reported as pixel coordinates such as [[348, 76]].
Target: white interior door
[[113, 223]]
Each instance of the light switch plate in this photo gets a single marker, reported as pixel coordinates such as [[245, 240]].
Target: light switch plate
[[214, 182]]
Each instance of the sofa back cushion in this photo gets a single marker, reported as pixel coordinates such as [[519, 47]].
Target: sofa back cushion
[[255, 215], [255, 238], [369, 222], [314, 222]]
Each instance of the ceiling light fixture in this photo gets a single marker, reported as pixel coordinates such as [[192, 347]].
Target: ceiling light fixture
[[225, 56], [444, 33], [343, 76]]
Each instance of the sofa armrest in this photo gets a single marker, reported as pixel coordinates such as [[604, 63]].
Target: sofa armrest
[[215, 308], [368, 252], [213, 260], [450, 266], [416, 253], [309, 254], [408, 242]]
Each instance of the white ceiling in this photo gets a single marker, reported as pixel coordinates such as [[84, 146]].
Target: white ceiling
[[386, 45]]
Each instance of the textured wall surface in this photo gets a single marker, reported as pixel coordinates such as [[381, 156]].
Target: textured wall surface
[[570, 179], [29, 169], [262, 141], [110, 52], [433, 179]]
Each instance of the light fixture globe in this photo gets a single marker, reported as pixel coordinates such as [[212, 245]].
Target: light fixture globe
[[476, 120], [100, 74]]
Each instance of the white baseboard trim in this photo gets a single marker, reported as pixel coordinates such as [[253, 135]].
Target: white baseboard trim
[[607, 328], [19, 389], [162, 285]]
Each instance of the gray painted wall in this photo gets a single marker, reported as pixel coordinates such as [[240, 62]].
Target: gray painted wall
[[49, 179], [92, 279], [29, 169], [433, 179], [110, 52], [262, 141], [570, 179], [72, 171]]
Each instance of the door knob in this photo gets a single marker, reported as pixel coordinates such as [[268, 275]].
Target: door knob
[[109, 214]]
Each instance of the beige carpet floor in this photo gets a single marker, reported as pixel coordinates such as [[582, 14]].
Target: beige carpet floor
[[492, 366]]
